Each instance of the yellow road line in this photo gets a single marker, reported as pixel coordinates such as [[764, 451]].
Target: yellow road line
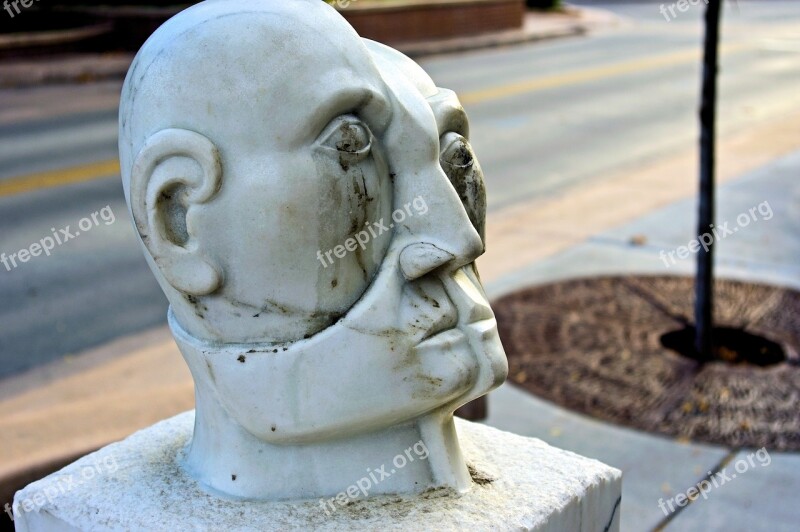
[[55, 178], [590, 74], [101, 169]]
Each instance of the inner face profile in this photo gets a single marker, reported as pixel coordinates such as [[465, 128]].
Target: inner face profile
[[414, 192], [308, 210]]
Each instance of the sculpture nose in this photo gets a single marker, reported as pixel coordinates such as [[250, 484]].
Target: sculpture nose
[[418, 259], [421, 258], [445, 235]]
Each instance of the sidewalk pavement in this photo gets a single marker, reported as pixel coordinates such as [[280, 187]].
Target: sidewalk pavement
[[655, 467], [82, 68]]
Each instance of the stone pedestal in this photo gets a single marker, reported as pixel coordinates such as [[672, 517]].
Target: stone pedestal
[[138, 484]]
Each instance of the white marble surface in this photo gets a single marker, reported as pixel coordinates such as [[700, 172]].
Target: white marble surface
[[522, 484], [310, 204]]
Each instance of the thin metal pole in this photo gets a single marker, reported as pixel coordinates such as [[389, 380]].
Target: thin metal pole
[[704, 283]]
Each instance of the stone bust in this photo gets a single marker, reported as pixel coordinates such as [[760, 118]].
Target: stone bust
[[311, 207]]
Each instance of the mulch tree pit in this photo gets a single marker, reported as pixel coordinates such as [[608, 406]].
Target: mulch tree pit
[[621, 349]]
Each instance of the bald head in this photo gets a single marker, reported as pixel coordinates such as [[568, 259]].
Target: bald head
[[236, 126], [312, 210], [258, 140], [232, 67]]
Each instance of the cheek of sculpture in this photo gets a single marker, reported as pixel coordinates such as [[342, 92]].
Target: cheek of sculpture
[[408, 337], [304, 228], [355, 199]]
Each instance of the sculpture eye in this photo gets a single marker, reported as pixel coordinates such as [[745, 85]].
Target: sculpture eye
[[465, 174], [457, 153], [349, 136]]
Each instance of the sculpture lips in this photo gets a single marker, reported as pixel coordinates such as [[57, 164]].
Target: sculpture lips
[[467, 297], [440, 340], [430, 309], [469, 308]]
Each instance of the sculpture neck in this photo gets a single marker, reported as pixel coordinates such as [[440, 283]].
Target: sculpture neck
[[230, 461]]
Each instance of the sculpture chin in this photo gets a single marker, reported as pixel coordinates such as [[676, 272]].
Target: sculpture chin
[[277, 393], [278, 417], [493, 353], [261, 407], [481, 340]]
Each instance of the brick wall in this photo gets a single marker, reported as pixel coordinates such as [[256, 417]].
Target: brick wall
[[432, 21], [392, 22]]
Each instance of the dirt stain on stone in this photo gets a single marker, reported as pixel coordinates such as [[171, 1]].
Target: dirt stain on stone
[[479, 478]]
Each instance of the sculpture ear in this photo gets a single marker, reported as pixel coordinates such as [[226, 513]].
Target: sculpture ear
[[175, 170]]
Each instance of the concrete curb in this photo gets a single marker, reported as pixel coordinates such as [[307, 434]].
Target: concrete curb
[[491, 40]]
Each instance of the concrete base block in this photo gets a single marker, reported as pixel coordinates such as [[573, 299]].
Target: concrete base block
[[138, 484]]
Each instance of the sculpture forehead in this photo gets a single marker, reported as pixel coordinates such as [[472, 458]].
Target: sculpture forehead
[[447, 110], [258, 31], [267, 62], [248, 72]]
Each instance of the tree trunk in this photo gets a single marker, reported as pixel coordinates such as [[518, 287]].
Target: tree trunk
[[704, 283]]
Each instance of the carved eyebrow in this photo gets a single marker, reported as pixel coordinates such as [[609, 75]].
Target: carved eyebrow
[[366, 102], [449, 113]]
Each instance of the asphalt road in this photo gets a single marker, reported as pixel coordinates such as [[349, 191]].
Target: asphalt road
[[545, 117]]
